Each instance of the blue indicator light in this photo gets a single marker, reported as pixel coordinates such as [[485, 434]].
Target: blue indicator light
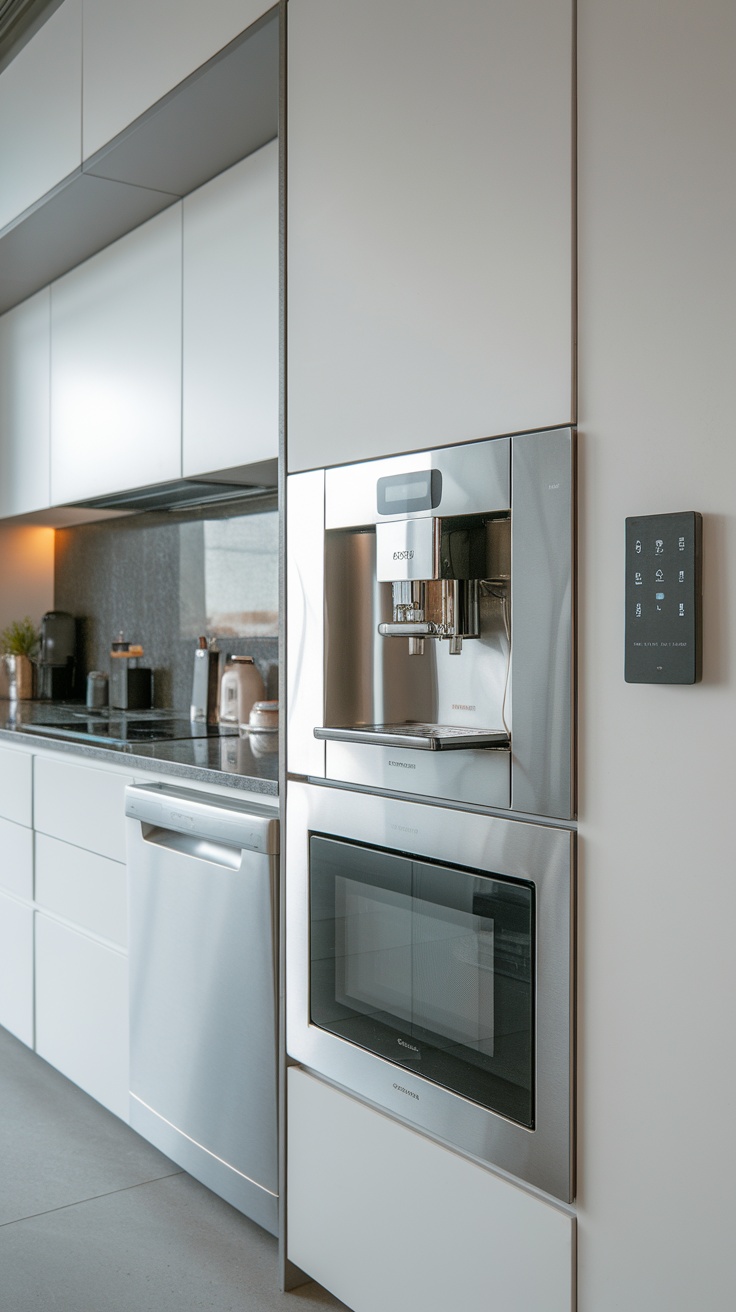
[[659, 596]]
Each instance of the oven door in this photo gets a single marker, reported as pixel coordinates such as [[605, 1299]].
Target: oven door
[[430, 971]]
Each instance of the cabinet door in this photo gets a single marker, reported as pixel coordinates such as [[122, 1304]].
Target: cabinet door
[[429, 208], [24, 406], [135, 53], [82, 887], [16, 859], [16, 968], [231, 317], [116, 365], [385, 1218], [82, 1011], [81, 805], [16, 786], [40, 109]]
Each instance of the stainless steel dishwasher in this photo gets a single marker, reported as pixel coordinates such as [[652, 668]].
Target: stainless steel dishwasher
[[203, 935]]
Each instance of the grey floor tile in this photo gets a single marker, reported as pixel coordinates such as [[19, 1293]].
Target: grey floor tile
[[57, 1145], [167, 1246]]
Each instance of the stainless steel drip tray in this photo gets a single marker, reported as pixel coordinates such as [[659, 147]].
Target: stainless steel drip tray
[[423, 737]]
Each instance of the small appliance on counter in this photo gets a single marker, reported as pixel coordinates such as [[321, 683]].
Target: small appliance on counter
[[131, 685], [56, 663], [98, 690], [240, 687]]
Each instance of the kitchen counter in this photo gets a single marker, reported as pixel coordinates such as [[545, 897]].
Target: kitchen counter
[[225, 759]]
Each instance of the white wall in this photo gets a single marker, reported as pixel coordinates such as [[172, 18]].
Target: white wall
[[657, 126], [26, 576]]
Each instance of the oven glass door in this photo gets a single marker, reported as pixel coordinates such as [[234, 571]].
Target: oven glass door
[[429, 966]]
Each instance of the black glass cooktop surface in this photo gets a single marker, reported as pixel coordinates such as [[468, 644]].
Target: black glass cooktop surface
[[124, 730]]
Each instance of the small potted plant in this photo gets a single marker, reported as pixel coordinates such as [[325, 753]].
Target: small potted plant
[[18, 645]]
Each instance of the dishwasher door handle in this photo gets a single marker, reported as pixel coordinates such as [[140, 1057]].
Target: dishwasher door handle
[[194, 846]]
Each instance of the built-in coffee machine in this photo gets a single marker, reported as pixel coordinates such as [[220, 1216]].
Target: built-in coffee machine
[[430, 621]]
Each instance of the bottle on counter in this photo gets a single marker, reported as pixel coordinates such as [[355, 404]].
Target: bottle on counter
[[206, 682], [241, 685]]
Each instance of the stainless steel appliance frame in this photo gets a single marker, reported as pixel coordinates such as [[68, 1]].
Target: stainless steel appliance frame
[[529, 477], [538, 854]]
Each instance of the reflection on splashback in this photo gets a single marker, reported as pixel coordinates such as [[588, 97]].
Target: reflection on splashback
[[163, 579], [228, 582]]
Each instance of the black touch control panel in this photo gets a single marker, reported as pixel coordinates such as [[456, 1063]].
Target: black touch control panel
[[663, 598]]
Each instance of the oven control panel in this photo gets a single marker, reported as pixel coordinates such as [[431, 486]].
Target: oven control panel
[[663, 598]]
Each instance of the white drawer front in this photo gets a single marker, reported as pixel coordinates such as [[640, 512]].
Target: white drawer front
[[16, 859], [16, 786], [82, 1011], [16, 969], [83, 887], [405, 1223], [81, 805]]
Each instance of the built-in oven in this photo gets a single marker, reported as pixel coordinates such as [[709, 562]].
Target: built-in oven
[[430, 964]]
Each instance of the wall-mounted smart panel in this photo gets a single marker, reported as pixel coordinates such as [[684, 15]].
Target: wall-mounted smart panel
[[663, 598]]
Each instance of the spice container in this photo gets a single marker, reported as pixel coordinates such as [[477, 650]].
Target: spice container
[[131, 685]]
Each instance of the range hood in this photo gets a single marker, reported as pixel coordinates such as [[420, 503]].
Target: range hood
[[186, 493]]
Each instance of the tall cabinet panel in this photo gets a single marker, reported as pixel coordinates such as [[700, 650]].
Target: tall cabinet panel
[[231, 309], [24, 406], [40, 109], [429, 224], [135, 53], [116, 365]]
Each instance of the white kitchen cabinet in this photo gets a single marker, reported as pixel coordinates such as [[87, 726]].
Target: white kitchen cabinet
[[25, 359], [231, 317], [385, 1218], [16, 894], [82, 887], [16, 968], [82, 1011], [40, 109], [135, 53], [16, 859], [16, 786], [116, 365], [429, 224], [81, 805]]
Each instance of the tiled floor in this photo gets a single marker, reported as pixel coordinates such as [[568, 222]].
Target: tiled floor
[[93, 1219]]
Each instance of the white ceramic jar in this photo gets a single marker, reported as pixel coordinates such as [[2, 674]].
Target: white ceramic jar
[[241, 685]]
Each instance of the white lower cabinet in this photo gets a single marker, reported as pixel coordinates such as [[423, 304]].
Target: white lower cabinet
[[81, 886], [16, 786], [16, 859], [82, 1011], [387, 1219], [16, 968], [80, 804]]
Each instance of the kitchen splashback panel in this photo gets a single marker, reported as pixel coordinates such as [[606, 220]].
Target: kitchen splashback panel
[[147, 575]]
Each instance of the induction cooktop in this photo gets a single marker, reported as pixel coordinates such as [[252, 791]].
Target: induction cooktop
[[126, 730]]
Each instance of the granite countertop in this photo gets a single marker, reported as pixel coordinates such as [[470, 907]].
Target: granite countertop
[[239, 762]]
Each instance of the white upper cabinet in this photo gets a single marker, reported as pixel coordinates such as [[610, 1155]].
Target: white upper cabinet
[[137, 52], [40, 109], [429, 224], [231, 317], [24, 406], [116, 365]]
